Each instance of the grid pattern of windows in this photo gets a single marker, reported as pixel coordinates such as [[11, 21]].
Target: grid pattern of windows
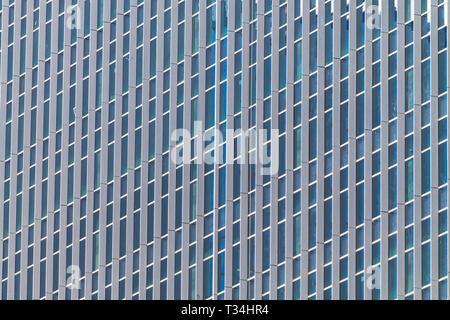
[[352, 93]]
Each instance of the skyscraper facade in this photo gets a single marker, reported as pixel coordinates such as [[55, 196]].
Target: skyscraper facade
[[224, 149]]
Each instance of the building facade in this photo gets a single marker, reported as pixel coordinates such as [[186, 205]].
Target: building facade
[[224, 149]]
